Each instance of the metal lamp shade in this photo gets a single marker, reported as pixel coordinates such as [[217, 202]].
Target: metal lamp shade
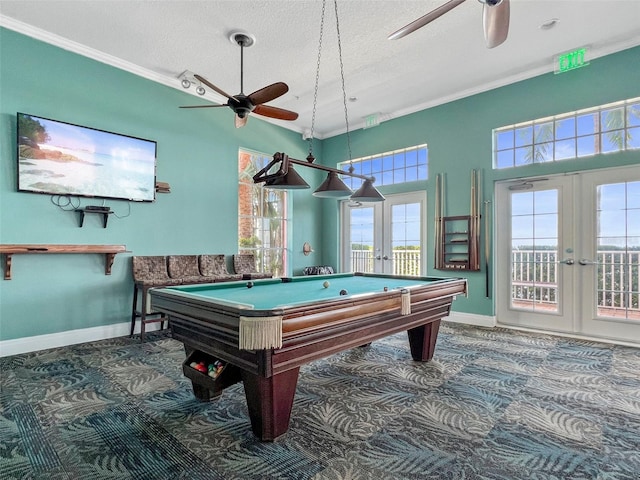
[[291, 181], [367, 193], [332, 187]]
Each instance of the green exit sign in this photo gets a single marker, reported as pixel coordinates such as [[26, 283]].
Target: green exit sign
[[571, 60], [372, 120]]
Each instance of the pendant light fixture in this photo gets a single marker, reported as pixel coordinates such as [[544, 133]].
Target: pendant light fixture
[[333, 186]]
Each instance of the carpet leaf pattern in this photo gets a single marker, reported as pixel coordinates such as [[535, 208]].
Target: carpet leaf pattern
[[493, 404]]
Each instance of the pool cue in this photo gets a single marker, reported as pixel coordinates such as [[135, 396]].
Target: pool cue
[[443, 196], [487, 250], [478, 215], [472, 227], [437, 224]]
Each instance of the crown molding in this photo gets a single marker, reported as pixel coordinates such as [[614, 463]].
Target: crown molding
[[97, 55], [75, 47]]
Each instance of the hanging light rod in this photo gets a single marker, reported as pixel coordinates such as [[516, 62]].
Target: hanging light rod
[[285, 177], [366, 193]]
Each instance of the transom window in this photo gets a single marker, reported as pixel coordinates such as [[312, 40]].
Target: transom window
[[389, 168], [608, 128]]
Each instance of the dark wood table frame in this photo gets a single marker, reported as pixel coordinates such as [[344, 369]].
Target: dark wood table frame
[[309, 333]]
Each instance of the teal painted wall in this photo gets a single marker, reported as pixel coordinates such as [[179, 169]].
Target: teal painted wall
[[459, 138], [197, 156]]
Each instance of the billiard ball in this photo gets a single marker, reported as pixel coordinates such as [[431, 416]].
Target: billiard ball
[[249, 284], [343, 292], [386, 289], [326, 284]]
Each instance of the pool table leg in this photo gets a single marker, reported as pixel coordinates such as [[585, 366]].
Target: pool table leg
[[270, 401], [422, 341]]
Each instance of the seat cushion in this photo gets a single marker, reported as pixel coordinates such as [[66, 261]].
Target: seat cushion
[[150, 268], [212, 265], [244, 263], [183, 266]]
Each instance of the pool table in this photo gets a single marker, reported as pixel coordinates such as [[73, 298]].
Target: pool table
[[262, 331]]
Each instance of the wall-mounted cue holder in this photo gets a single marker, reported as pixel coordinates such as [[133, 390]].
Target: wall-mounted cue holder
[[455, 245], [458, 237]]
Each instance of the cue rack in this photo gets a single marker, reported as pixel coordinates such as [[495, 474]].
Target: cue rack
[[457, 245]]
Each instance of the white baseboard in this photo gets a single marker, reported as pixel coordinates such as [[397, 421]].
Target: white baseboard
[[70, 337], [573, 336], [73, 337], [471, 319]]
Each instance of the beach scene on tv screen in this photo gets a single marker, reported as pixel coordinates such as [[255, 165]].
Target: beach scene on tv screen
[[64, 159]]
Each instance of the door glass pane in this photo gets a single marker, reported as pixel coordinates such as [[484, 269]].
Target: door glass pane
[[618, 257], [534, 246], [361, 239], [405, 238]]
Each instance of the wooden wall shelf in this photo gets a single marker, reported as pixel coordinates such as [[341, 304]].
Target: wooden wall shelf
[[105, 215], [110, 251]]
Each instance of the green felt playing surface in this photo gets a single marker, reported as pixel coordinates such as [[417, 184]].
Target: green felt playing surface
[[280, 293]]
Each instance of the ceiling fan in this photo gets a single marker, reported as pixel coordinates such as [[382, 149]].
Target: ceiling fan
[[241, 104], [495, 20]]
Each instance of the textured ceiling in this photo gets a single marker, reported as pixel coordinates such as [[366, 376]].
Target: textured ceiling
[[443, 61]]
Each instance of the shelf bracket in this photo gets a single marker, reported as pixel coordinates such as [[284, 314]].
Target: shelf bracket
[[7, 266]]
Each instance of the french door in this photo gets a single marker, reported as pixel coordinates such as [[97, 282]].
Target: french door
[[568, 253], [386, 237]]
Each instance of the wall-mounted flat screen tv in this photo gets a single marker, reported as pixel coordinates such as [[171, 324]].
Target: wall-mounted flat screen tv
[[60, 158]]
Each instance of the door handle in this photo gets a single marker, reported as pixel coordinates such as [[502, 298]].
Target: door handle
[[584, 261], [567, 261], [385, 257]]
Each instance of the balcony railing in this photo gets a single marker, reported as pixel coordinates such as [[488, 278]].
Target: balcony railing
[[534, 281], [534, 278], [405, 262]]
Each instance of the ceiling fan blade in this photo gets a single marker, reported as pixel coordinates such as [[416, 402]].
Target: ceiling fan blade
[[212, 86], [422, 21], [241, 122], [268, 93], [495, 19], [275, 112], [204, 106]]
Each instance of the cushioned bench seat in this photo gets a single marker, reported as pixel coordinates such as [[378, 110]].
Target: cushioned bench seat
[[163, 271]]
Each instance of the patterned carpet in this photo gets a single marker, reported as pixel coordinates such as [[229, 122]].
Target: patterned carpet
[[493, 404]]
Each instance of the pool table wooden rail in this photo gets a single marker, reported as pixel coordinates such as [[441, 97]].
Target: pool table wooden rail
[[214, 328]]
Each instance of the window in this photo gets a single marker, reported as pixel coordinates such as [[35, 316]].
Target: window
[[262, 217], [604, 129], [400, 166]]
